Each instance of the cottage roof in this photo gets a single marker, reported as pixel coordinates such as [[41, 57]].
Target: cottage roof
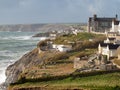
[[111, 46], [111, 39], [104, 44]]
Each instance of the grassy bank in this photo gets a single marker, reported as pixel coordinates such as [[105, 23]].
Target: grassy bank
[[75, 38], [94, 81]]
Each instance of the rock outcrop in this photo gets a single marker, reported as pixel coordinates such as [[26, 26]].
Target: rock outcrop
[[14, 70], [26, 62]]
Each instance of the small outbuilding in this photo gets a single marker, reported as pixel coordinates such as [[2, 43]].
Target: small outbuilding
[[62, 48]]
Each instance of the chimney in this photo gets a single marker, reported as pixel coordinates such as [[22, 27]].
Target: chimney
[[116, 16], [95, 16]]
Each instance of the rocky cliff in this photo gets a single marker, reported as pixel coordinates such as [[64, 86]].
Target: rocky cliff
[[28, 65], [14, 70]]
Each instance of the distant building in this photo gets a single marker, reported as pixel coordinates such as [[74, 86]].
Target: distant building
[[100, 24]]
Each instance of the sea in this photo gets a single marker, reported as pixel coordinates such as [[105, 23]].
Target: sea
[[13, 45]]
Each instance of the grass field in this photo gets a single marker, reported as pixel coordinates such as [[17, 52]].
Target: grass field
[[110, 81], [79, 37]]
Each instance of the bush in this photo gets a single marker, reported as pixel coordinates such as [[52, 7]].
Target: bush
[[116, 88], [42, 43], [56, 57]]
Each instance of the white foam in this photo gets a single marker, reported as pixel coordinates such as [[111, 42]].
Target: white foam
[[22, 38], [16, 38], [2, 76]]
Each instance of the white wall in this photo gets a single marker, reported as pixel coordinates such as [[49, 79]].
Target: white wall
[[62, 48]]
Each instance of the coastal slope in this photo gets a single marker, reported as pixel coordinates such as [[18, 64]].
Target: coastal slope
[[14, 70]]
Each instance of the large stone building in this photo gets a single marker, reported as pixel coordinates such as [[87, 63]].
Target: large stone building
[[100, 24]]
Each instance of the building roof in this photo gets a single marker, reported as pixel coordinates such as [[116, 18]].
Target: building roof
[[104, 44], [111, 39], [104, 19], [111, 46]]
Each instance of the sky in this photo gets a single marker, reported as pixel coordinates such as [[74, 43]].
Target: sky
[[55, 11]]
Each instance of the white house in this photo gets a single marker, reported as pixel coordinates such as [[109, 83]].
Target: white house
[[115, 26], [62, 48], [110, 50], [111, 34]]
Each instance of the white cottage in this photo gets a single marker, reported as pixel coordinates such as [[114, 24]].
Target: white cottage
[[115, 26], [110, 50]]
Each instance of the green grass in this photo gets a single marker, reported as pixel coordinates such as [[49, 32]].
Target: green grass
[[73, 38], [110, 81]]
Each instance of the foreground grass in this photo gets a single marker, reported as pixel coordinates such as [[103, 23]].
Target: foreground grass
[[110, 81]]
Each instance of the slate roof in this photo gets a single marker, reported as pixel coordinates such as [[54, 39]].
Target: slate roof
[[111, 46], [105, 44], [111, 39]]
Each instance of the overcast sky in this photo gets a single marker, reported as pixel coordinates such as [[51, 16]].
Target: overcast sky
[[55, 11]]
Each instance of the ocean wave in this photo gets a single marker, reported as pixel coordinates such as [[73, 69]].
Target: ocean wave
[[7, 53], [23, 38], [16, 38]]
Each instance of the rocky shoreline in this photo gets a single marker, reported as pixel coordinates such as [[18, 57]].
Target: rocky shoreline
[[13, 71]]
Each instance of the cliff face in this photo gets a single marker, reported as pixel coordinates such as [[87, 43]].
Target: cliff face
[[13, 71], [29, 61]]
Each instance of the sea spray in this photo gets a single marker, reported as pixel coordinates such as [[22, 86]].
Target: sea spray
[[2, 76]]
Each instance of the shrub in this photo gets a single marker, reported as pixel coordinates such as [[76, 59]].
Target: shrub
[[56, 57], [42, 43]]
